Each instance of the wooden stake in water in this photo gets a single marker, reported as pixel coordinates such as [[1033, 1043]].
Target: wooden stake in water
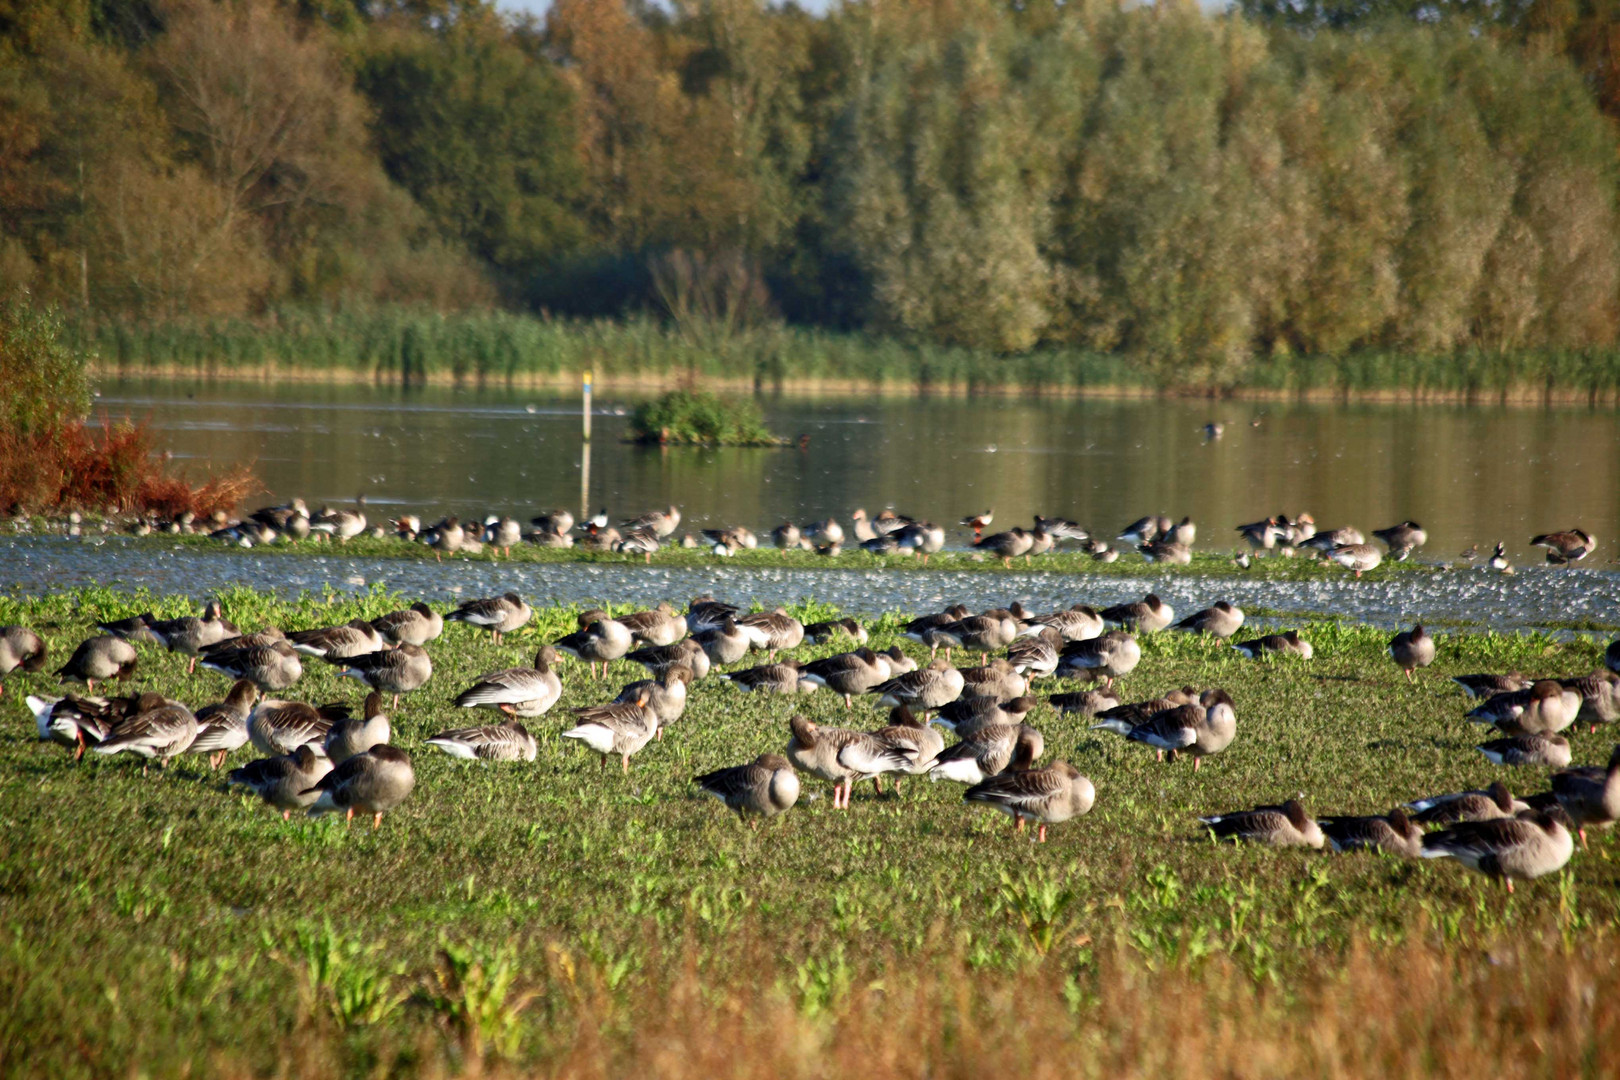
[[587, 406]]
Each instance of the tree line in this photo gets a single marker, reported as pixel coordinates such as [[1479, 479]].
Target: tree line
[[1188, 189]]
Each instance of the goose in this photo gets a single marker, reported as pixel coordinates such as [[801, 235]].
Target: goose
[[500, 615], [223, 727], [915, 628], [1358, 557], [280, 727], [508, 740], [842, 756], [977, 633], [1078, 623], [979, 522], [287, 782], [334, 643], [599, 538], [861, 527], [374, 783], [965, 716], [1393, 832], [707, 613], [1136, 712], [407, 527], [1084, 702], [1494, 802], [1325, 540], [988, 751], [1527, 847], [1412, 649], [926, 688], [1141, 531], [1488, 686], [1048, 796], [1144, 615], [661, 523], [136, 628], [779, 678], [553, 522], [905, 732], [525, 692], [598, 639], [103, 658], [764, 788], [1287, 825], [1036, 656], [550, 539], [1600, 697], [415, 625], [1041, 543], [76, 723], [349, 735], [20, 648], [1288, 643], [997, 679], [726, 645], [824, 533], [342, 524], [666, 695], [1184, 532], [660, 626], [1549, 750], [641, 542], [1111, 656], [190, 634], [1402, 539], [884, 545], [687, 653], [786, 537], [621, 729], [848, 673], [1101, 552], [502, 532], [1564, 548], [1545, 709], [1201, 729], [923, 537], [271, 667], [1221, 620], [161, 729], [281, 517], [393, 671], [1168, 552], [772, 631], [1261, 535], [1061, 529], [1590, 795], [1008, 545], [822, 632]]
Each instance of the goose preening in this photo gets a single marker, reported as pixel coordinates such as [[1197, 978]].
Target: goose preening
[[1565, 548], [1200, 730], [912, 735], [1495, 801], [1546, 708], [1393, 832], [1222, 620], [1526, 847], [1590, 795], [979, 522], [287, 782], [223, 727], [848, 674], [415, 625], [335, 643], [103, 658], [351, 735], [988, 751], [666, 695], [525, 692], [1287, 825], [1551, 751], [599, 639], [508, 740], [20, 649], [660, 626], [73, 722], [842, 756], [393, 671], [271, 667], [1357, 557], [1112, 656], [1412, 649], [280, 727], [1284, 644], [926, 688], [1046, 796], [764, 788], [374, 783], [1147, 614], [783, 677], [620, 729], [161, 729], [500, 615]]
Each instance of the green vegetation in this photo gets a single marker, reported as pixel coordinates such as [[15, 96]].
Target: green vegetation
[[558, 918], [698, 418]]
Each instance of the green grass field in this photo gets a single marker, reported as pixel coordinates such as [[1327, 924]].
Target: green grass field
[[560, 919]]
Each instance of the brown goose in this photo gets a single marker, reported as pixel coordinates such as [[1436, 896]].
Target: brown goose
[[1545, 709], [1551, 751], [268, 636], [1402, 539], [618, 729], [374, 783], [351, 735], [786, 537], [1047, 796], [1085, 702], [526, 692], [283, 780], [1590, 795], [687, 653], [1487, 686], [1201, 729], [1494, 802], [280, 727], [1394, 832], [500, 615], [334, 643], [848, 673], [1285, 644], [161, 729], [772, 631], [926, 688], [987, 752], [842, 756], [270, 667], [74, 722], [997, 679], [765, 787], [1611, 656], [663, 523], [666, 695], [1168, 552], [506, 741], [1036, 655], [102, 658], [1412, 649], [779, 678], [1358, 557], [1135, 712], [1147, 614], [660, 626], [823, 632], [906, 732], [223, 727], [20, 648], [1111, 656], [1526, 847], [1008, 545], [1221, 620], [1565, 548], [415, 625], [965, 716], [1287, 825], [393, 671], [190, 634], [1078, 623], [1600, 697]]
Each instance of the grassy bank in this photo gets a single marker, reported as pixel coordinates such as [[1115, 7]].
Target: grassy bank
[[399, 344], [551, 918]]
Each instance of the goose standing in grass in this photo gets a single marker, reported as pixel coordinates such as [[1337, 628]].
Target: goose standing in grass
[[1495, 801], [271, 667], [1078, 623], [687, 653], [1590, 795], [1147, 614], [161, 729], [1035, 655], [1008, 545], [1393, 832], [191, 634], [1084, 702], [764, 788], [1222, 620], [772, 631], [393, 671], [350, 735], [342, 524], [1565, 548], [1357, 557], [1048, 796], [73, 722], [661, 523], [136, 628], [287, 781], [660, 626], [1402, 539], [923, 537], [964, 716], [848, 674], [1112, 656], [374, 783], [415, 625], [621, 729], [1545, 709], [997, 678], [1288, 643], [666, 695], [1526, 847], [525, 692], [725, 645], [1287, 825], [280, 727], [103, 658], [905, 732], [20, 648], [1201, 729], [500, 615], [334, 643], [1412, 649], [1488, 686], [223, 727], [926, 688], [977, 633], [783, 677], [598, 640], [1550, 751], [842, 756], [1600, 697], [989, 751], [508, 740]]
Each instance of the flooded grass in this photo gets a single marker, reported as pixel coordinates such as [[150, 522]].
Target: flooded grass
[[553, 918]]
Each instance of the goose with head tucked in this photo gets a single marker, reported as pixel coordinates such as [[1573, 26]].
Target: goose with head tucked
[[161, 729], [687, 653], [415, 625], [662, 625], [1412, 649], [337, 643], [666, 695], [1078, 623], [1036, 655], [764, 788], [1288, 643], [926, 688], [222, 728], [271, 667], [600, 639], [848, 674], [997, 678], [726, 644], [351, 735], [374, 783], [988, 751], [842, 756], [1047, 796], [1393, 832], [772, 631], [966, 715], [1526, 847], [1222, 619], [1287, 825], [1590, 795], [1550, 751], [1600, 697], [782, 677], [105, 657], [20, 649], [393, 671], [821, 633], [1147, 614], [1495, 801], [618, 730], [1111, 656], [1360, 558], [1546, 708], [285, 781], [1200, 729], [906, 732], [500, 615], [280, 727], [525, 692], [1084, 702], [508, 740]]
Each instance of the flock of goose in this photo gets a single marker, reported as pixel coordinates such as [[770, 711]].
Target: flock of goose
[[323, 758]]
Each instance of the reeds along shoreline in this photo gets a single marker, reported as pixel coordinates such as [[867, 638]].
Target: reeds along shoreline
[[401, 345]]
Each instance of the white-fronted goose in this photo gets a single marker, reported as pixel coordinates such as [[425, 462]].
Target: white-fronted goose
[[1402, 539], [1488, 686], [707, 613], [1564, 548], [1048, 796], [765, 787], [1147, 614], [619, 729], [1495, 801], [280, 727], [966, 715], [1358, 557], [270, 667], [842, 756], [1412, 649], [822, 632], [848, 673], [686, 653], [987, 752], [725, 645], [772, 631], [351, 735], [1036, 656], [660, 626], [661, 523], [415, 625], [979, 522], [103, 658], [162, 730], [1101, 552], [1287, 825], [1084, 702], [926, 688], [335, 643], [1222, 620], [978, 633], [1393, 832], [500, 615], [1200, 729], [782, 677], [525, 692], [393, 671], [1111, 656], [374, 783], [1527, 847], [666, 695], [1551, 751], [506, 741], [1545, 709], [1590, 795], [223, 727], [643, 542], [996, 678], [1008, 545], [1078, 623], [1288, 643], [1325, 540], [21, 648], [287, 782]]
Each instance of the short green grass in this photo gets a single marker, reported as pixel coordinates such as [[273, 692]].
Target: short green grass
[[159, 923]]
